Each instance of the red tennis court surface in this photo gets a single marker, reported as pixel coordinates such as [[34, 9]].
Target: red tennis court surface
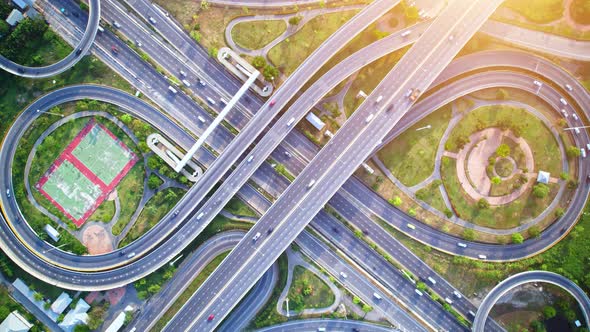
[[75, 182]]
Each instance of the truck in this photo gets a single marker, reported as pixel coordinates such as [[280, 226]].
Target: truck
[[432, 280]]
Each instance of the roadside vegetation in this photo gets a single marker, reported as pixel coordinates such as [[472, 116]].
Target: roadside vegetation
[[257, 34], [8, 305], [268, 315], [537, 11], [308, 291], [411, 156], [154, 210]]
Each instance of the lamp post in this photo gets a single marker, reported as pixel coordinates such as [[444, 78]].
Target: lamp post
[[47, 112]]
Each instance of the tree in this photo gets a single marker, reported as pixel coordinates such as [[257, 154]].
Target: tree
[[38, 296], [95, 317], [4, 312], [483, 204], [270, 72], [412, 212], [573, 151], [47, 305], [540, 190], [496, 180], [295, 20], [204, 4], [559, 212], [126, 118], [469, 234], [517, 238], [503, 150], [534, 231], [396, 201], [4, 28], [367, 308], [258, 62], [153, 289], [549, 312], [154, 182], [213, 52], [421, 286], [411, 13]]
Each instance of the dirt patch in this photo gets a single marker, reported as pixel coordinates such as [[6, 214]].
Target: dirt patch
[[96, 239], [115, 295]]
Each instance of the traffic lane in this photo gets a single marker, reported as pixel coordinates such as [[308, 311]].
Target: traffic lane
[[328, 324], [386, 273]]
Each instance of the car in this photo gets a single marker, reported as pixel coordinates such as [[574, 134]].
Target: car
[[210, 318], [562, 100], [343, 275], [114, 49], [288, 154], [116, 24], [256, 237], [8, 193], [268, 231], [335, 230], [20, 70], [78, 51], [366, 232], [588, 178], [122, 253], [76, 14], [537, 83], [451, 38], [272, 103], [176, 212], [575, 116], [138, 43], [569, 87]]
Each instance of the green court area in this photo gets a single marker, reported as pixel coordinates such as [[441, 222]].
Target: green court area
[[104, 155], [73, 191]]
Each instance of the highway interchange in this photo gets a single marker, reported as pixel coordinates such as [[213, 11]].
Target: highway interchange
[[180, 135]]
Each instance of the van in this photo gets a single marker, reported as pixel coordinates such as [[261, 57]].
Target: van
[[461, 244], [380, 98], [583, 152], [250, 159], [449, 301], [211, 101], [410, 226], [200, 215], [432, 280], [418, 292], [377, 296], [131, 255], [457, 294], [343, 275], [563, 101], [290, 122], [369, 118], [311, 183], [406, 33], [575, 116], [482, 256], [186, 83], [256, 237], [202, 119]]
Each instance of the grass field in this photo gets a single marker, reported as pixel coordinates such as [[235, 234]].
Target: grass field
[[151, 214], [505, 216], [410, 156], [537, 11], [257, 34], [432, 196], [239, 208], [291, 52], [541, 141], [102, 154], [104, 213], [130, 191], [308, 291]]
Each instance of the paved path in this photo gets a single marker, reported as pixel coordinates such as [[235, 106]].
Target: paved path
[[295, 259]]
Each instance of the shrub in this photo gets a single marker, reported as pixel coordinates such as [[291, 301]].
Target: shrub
[[559, 212], [396, 201], [517, 238], [540, 190], [448, 213], [295, 20], [573, 151], [469, 234], [549, 312], [534, 231], [412, 212], [483, 203], [496, 180], [503, 150]]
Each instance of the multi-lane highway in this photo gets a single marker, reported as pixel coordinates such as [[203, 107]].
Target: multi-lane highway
[[66, 63], [528, 277], [335, 162]]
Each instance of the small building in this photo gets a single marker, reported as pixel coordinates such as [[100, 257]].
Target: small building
[[76, 316], [543, 177], [20, 4], [315, 121], [14, 322], [14, 17], [32, 13], [52, 232], [61, 303], [119, 321]]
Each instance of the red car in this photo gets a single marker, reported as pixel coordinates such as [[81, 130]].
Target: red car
[[114, 49], [272, 103], [210, 318]]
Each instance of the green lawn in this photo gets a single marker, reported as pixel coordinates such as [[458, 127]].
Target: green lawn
[[154, 210], [8, 304], [410, 156], [541, 141], [257, 34], [431, 195], [188, 292], [308, 291], [501, 217], [239, 208], [537, 11], [104, 213], [290, 53], [130, 191]]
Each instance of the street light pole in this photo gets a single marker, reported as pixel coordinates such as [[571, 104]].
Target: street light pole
[[61, 245], [425, 127], [287, 299], [47, 112], [574, 128]]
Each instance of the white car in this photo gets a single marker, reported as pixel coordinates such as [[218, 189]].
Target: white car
[[569, 87], [537, 83], [563, 101]]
